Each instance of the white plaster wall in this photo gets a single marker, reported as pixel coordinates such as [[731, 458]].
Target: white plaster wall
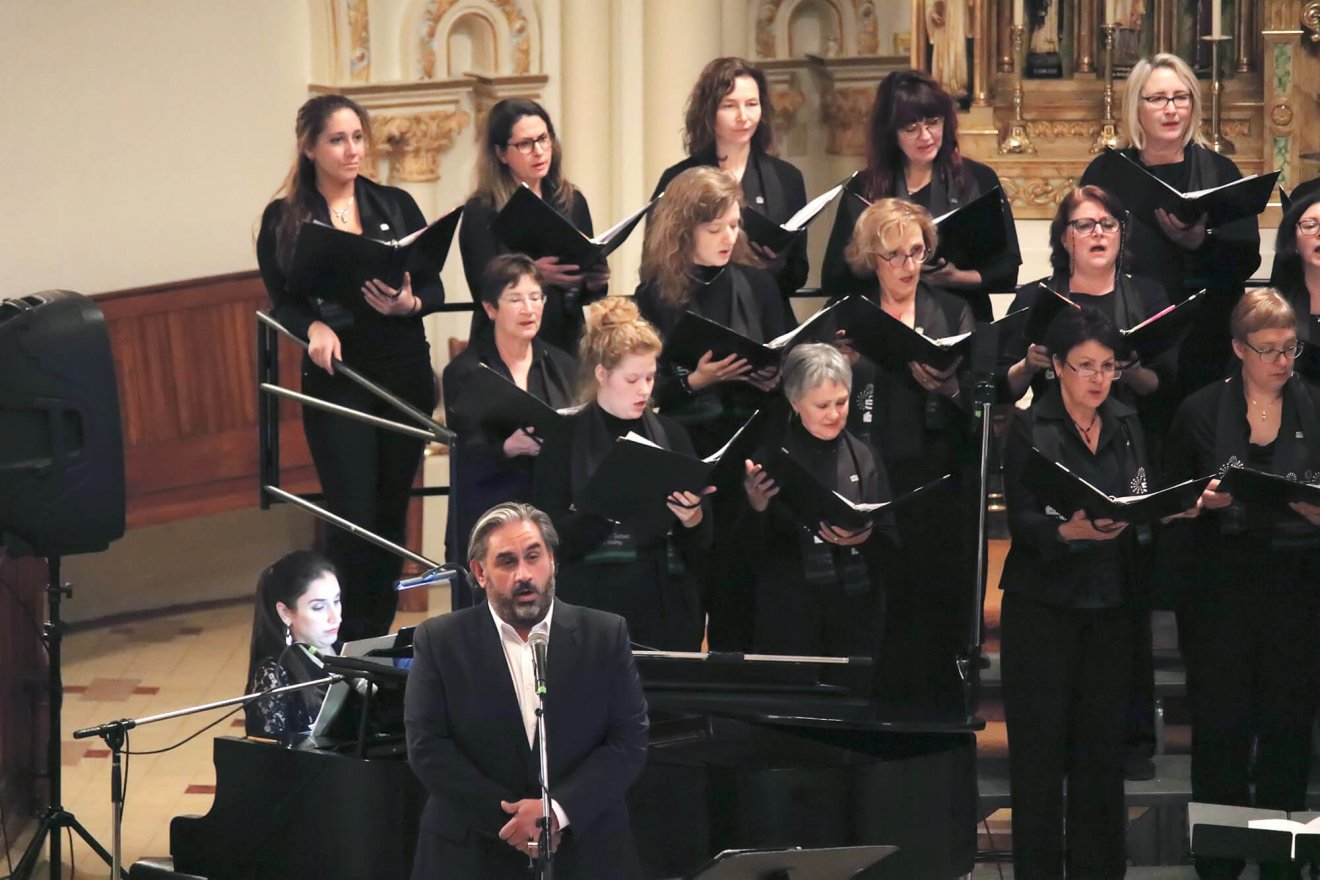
[[142, 138]]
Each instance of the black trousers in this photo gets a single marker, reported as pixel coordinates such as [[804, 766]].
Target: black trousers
[[366, 474], [1066, 675], [1139, 736], [1251, 658]]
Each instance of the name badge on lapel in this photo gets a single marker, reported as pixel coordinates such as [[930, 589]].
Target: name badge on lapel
[[760, 200]]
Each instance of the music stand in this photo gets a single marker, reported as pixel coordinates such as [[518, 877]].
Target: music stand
[[1220, 831], [837, 863]]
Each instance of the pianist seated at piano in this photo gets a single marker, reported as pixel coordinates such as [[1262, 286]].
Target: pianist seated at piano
[[296, 619], [1067, 630], [818, 586]]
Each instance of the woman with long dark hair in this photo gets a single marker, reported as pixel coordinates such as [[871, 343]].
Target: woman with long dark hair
[[295, 622], [728, 126], [912, 154], [520, 147], [366, 473]]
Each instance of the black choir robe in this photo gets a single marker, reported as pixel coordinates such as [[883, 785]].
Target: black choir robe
[[740, 297], [483, 476], [810, 597], [938, 197], [643, 576], [561, 323]]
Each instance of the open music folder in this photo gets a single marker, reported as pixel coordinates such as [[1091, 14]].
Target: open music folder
[[694, 335], [331, 264], [1144, 193], [633, 483], [1066, 492], [812, 502], [892, 345], [762, 230], [1250, 486], [1147, 340], [501, 407], [973, 236], [528, 225]]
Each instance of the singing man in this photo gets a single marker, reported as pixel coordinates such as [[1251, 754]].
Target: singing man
[[470, 715]]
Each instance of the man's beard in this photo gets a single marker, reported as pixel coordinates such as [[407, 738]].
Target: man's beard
[[515, 613]]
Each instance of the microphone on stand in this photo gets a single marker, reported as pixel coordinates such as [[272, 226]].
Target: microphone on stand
[[540, 643], [445, 572]]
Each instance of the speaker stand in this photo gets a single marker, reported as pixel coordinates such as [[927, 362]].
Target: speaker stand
[[55, 819]]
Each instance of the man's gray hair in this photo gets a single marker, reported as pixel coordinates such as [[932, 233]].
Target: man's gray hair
[[502, 515], [812, 365]]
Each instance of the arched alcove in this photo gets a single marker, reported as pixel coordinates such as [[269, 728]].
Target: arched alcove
[[815, 28], [471, 46]]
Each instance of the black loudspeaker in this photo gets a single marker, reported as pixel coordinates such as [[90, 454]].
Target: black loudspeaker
[[61, 447]]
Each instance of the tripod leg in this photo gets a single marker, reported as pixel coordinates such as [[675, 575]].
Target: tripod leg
[[72, 822], [27, 865]]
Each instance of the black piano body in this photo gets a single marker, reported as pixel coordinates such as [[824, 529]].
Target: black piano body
[[752, 767], [301, 813]]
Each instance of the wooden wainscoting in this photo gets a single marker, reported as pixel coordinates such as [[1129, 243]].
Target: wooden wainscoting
[[185, 354]]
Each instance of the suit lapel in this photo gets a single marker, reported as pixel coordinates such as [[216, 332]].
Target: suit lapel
[[493, 670]]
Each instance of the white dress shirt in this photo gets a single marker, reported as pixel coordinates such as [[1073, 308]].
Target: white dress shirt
[[518, 657]]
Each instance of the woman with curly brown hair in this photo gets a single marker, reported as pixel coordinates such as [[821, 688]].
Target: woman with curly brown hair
[[728, 126], [697, 259]]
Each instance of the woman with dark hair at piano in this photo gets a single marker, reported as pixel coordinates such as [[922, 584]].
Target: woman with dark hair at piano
[[1086, 253], [492, 469], [920, 426], [912, 153], [696, 259], [819, 590], [1163, 116], [1248, 611], [520, 147], [728, 125], [642, 576], [1297, 274], [296, 620], [1066, 633], [365, 472]]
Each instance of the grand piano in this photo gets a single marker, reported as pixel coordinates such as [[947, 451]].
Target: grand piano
[[742, 755]]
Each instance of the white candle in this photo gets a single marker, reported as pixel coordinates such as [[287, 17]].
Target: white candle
[[1216, 18], [1019, 14], [1110, 15]]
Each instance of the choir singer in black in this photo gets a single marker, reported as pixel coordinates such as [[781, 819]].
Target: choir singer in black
[[912, 153], [491, 469], [819, 587], [1163, 119], [365, 472], [470, 716], [1297, 273], [919, 425], [728, 125], [644, 575], [1066, 633], [519, 147], [1248, 621]]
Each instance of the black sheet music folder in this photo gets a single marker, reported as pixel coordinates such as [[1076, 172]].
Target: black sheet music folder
[[839, 863]]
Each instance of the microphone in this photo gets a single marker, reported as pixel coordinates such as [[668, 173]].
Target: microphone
[[447, 571], [540, 643]]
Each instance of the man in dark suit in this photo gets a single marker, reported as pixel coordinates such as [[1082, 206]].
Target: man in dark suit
[[470, 714]]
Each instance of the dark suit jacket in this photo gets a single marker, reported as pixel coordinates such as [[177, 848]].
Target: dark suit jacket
[[467, 745]]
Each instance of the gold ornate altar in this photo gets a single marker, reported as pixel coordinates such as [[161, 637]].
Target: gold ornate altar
[[1269, 64]]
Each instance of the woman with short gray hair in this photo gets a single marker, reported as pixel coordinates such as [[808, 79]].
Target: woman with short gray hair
[[817, 587]]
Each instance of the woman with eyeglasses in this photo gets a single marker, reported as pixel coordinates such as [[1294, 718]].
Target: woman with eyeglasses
[[1163, 121], [1296, 273], [1247, 620], [919, 424], [912, 153], [1066, 633], [491, 469], [728, 126], [520, 147], [1087, 246]]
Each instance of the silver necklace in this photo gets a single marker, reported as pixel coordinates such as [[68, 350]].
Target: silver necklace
[[342, 213]]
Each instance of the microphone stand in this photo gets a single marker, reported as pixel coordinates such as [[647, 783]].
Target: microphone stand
[[545, 851], [115, 734]]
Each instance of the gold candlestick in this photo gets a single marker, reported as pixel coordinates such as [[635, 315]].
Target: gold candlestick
[[1016, 139], [1108, 134], [1218, 142]]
